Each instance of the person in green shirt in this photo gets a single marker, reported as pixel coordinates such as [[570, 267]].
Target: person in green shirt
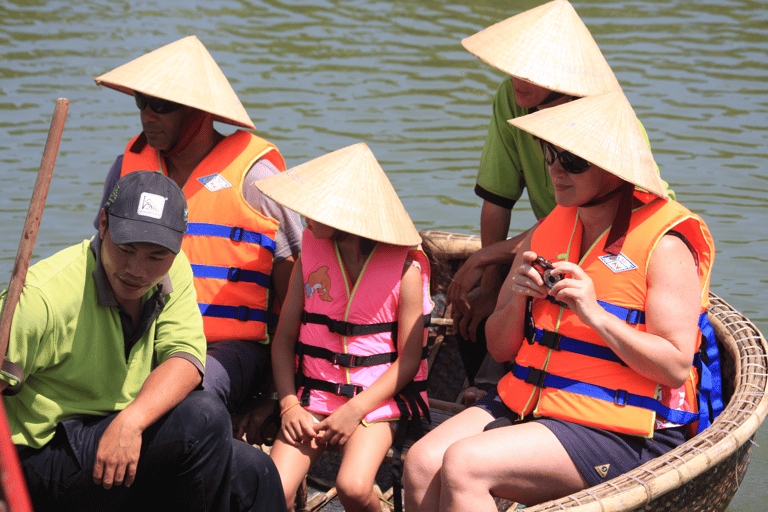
[[103, 369], [551, 58]]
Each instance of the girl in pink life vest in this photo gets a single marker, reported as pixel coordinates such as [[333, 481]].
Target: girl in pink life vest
[[347, 354]]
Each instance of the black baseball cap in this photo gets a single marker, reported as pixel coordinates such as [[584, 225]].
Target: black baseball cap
[[147, 207]]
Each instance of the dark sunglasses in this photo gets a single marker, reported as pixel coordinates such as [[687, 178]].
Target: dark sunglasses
[[158, 106], [570, 163]]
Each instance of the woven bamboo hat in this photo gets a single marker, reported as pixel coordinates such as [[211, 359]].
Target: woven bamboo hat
[[184, 72], [347, 190], [549, 46], [602, 129]]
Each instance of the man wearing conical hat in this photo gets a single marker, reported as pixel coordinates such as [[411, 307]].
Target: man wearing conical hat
[[241, 244], [599, 319], [551, 58]]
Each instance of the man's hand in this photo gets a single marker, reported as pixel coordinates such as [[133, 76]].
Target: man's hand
[[464, 280], [118, 454]]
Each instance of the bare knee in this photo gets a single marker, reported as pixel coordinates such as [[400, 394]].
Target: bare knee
[[462, 463], [355, 491], [422, 463]]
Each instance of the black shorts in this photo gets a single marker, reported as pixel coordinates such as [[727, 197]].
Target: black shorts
[[598, 454]]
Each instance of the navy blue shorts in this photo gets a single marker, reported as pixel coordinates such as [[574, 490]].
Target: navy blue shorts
[[598, 454]]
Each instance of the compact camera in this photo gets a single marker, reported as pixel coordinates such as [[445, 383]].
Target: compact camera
[[544, 267]]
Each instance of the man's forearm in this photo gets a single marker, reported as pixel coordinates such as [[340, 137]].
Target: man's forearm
[[165, 387]]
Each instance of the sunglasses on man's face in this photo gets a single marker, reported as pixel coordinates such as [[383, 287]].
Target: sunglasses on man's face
[[568, 161], [158, 106]]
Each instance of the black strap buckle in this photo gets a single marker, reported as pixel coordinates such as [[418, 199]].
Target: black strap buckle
[[621, 398], [536, 377], [340, 327], [345, 360], [347, 390], [550, 340], [236, 235], [243, 312], [633, 316], [233, 274]]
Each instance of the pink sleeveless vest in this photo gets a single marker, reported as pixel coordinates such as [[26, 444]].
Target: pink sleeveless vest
[[373, 299]]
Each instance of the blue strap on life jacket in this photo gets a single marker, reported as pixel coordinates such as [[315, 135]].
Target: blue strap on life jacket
[[232, 274], [242, 313], [555, 341], [236, 234], [629, 315], [619, 397], [710, 379]]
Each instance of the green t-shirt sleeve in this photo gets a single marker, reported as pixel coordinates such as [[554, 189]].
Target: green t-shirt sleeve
[[180, 324], [32, 340], [500, 172], [512, 159]]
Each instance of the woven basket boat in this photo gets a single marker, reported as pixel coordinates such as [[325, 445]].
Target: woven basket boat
[[704, 473]]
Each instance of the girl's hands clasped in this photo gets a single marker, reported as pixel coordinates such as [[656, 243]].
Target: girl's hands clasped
[[297, 424], [339, 426]]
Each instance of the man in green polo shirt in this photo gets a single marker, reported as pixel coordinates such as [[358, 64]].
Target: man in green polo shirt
[[107, 355], [551, 58]]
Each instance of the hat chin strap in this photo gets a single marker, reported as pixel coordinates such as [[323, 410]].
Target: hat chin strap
[[605, 198], [620, 224]]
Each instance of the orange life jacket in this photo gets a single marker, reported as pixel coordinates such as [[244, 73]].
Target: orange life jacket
[[229, 244], [564, 369]]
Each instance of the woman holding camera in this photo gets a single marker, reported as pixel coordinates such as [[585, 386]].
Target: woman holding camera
[[598, 321]]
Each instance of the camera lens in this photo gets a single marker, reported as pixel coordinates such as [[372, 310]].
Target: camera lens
[[551, 280]]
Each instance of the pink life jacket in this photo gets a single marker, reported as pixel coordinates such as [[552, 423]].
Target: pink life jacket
[[346, 338]]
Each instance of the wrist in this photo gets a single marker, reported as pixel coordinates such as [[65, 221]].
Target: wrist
[[284, 410]]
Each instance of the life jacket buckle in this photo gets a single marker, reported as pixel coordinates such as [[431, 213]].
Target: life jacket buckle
[[345, 360], [550, 340], [633, 316], [347, 390], [340, 327], [243, 313], [236, 235], [621, 398], [233, 274], [536, 377]]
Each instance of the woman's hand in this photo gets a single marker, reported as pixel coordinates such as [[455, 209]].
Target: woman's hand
[[526, 280], [577, 290]]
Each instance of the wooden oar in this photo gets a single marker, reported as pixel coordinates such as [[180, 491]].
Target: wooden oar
[[32, 224], [12, 482]]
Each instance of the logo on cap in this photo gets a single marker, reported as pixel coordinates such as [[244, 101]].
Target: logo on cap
[[151, 205]]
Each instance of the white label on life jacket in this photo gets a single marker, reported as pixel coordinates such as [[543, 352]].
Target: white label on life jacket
[[214, 182], [618, 263]]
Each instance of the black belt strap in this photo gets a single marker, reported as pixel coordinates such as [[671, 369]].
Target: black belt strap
[[348, 328], [349, 360]]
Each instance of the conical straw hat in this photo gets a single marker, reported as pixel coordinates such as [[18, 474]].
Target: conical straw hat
[[347, 190], [183, 72], [549, 46], [602, 129]]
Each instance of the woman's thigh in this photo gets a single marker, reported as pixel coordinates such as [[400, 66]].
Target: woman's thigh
[[523, 462]]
